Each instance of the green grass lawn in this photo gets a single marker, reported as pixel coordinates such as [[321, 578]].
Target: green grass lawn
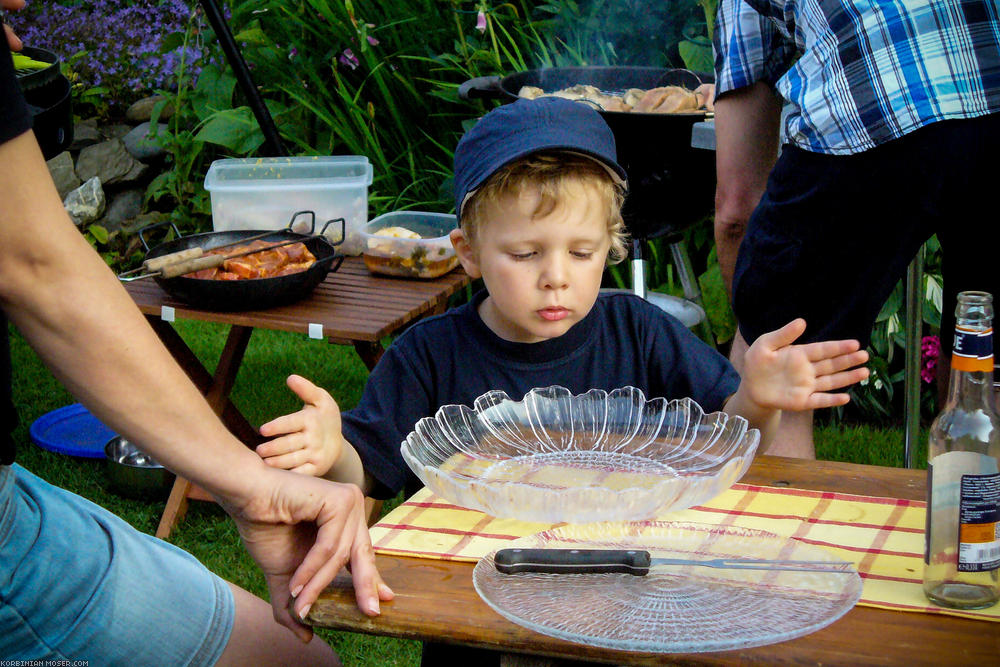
[[260, 393]]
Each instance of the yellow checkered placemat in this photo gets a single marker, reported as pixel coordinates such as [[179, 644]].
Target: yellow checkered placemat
[[883, 537]]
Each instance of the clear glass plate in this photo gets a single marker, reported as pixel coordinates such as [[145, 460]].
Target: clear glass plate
[[673, 609], [600, 456]]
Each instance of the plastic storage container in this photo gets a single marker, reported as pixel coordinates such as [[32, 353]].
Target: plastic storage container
[[394, 252], [264, 193]]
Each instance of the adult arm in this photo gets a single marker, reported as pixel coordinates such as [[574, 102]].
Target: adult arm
[[82, 323], [752, 53], [746, 139]]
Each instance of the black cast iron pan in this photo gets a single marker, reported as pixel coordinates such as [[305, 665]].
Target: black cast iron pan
[[248, 294]]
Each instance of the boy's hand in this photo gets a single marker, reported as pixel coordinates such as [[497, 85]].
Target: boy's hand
[[783, 376], [310, 441]]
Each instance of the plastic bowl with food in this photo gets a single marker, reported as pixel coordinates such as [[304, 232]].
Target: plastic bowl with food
[[410, 244], [133, 473], [600, 456]]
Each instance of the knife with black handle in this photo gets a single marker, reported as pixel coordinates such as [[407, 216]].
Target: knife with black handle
[[637, 562]]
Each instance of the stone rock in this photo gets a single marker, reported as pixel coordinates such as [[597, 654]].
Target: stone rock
[[116, 131], [142, 110], [85, 133], [61, 168], [140, 146], [124, 206], [136, 174], [108, 161], [86, 204]]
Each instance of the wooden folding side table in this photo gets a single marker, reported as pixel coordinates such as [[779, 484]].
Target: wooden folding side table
[[350, 307]]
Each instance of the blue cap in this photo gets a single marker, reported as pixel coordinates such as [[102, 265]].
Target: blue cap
[[513, 131]]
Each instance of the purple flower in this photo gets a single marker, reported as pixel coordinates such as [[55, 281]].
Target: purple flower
[[292, 53], [349, 59], [372, 41], [930, 351], [120, 42], [481, 21]]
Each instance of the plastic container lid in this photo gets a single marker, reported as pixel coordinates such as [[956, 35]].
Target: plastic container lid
[[319, 172], [71, 430]]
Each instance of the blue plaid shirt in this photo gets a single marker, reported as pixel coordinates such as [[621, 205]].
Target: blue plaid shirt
[[859, 73]]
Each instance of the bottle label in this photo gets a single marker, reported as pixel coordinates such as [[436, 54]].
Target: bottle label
[[979, 523], [973, 350]]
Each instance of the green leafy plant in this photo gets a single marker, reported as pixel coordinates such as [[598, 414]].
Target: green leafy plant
[[203, 116], [696, 47], [87, 100]]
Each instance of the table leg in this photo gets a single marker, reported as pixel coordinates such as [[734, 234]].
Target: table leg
[[370, 353], [186, 359], [216, 388]]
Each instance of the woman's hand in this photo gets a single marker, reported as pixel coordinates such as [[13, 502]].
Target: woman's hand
[[308, 441], [302, 531]]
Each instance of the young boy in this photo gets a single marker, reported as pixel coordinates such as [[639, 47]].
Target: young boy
[[538, 193]]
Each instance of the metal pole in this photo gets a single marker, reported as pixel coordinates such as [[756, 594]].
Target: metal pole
[[271, 137], [689, 283], [912, 333], [638, 270]]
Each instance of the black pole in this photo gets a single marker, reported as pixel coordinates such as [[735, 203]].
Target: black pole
[[271, 137]]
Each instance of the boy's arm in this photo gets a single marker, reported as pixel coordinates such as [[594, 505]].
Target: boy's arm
[[778, 375], [759, 417], [349, 469]]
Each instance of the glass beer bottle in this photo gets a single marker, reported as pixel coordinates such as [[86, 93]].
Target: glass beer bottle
[[962, 541]]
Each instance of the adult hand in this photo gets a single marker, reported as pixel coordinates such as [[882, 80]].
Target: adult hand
[[12, 40], [310, 440], [783, 376], [301, 531]]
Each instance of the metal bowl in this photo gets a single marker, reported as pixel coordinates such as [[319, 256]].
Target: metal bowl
[[599, 456], [134, 474]]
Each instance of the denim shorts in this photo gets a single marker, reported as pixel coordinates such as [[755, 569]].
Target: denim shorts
[[79, 583], [833, 234]]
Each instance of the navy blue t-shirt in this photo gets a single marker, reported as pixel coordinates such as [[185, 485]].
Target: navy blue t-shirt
[[454, 358], [14, 121]]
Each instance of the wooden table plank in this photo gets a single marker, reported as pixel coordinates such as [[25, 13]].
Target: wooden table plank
[[351, 304], [435, 601]]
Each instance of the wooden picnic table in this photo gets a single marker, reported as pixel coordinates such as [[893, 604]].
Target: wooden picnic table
[[350, 307], [435, 601]]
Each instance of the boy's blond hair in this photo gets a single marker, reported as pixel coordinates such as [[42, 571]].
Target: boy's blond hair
[[551, 172]]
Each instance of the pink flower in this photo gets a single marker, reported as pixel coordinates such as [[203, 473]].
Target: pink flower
[[372, 41], [930, 350], [348, 58], [481, 21]]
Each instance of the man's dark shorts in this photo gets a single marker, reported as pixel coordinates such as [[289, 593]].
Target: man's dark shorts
[[834, 234]]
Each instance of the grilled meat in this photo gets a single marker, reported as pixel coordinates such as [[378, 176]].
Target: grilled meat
[[267, 262]]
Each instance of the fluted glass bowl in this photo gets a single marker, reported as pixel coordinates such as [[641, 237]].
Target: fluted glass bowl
[[600, 456]]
